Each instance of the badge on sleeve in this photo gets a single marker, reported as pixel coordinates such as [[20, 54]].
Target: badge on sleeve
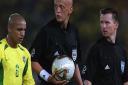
[[74, 54], [84, 69], [33, 52], [122, 66]]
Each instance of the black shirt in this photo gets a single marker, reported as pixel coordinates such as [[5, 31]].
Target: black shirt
[[51, 39], [107, 64]]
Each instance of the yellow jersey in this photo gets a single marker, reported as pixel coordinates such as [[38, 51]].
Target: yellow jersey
[[15, 65]]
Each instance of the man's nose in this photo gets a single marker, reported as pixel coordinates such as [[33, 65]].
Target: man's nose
[[58, 9], [104, 25], [22, 33]]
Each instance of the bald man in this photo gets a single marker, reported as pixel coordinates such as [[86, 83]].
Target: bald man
[[15, 60], [58, 37]]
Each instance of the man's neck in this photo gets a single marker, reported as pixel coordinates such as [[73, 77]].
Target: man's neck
[[112, 38], [64, 24], [10, 42]]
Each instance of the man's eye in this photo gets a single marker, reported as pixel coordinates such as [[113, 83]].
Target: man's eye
[[107, 22], [20, 29]]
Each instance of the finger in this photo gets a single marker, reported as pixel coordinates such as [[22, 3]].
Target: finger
[[65, 73], [56, 74], [60, 82], [66, 82], [59, 71]]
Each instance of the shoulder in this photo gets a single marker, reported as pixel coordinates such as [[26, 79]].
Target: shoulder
[[52, 23], [121, 47], [1, 47], [46, 28], [3, 44], [96, 46], [73, 27], [22, 47], [24, 50]]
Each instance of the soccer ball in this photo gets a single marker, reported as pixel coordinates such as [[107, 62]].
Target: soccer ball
[[63, 67]]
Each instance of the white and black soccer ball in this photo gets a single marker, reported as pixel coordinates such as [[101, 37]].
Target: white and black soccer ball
[[64, 66]]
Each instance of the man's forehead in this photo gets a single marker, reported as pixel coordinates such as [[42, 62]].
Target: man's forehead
[[20, 22], [63, 1], [16, 18], [108, 15], [17, 21]]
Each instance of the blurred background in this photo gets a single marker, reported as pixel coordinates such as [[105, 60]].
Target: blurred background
[[85, 16]]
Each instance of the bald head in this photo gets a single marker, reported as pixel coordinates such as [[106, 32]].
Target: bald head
[[16, 19], [16, 29], [63, 10], [67, 2]]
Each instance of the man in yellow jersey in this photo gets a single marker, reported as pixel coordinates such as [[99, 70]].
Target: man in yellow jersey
[[15, 61]]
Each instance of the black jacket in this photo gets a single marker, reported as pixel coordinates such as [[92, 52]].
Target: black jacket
[[107, 64], [53, 38]]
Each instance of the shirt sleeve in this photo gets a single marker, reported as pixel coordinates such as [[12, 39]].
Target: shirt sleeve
[[78, 47], [27, 73], [38, 46], [125, 75], [91, 64], [1, 55]]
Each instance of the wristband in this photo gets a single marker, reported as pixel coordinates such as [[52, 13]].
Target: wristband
[[44, 74]]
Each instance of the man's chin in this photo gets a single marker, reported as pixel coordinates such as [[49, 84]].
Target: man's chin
[[59, 20], [106, 36], [19, 42]]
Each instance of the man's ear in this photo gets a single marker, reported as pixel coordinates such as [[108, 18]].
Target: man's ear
[[71, 10], [9, 29], [117, 25]]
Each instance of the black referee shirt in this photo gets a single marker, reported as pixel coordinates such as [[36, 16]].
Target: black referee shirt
[[106, 64], [52, 39]]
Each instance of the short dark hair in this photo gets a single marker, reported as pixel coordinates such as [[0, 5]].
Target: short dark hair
[[114, 13], [15, 16]]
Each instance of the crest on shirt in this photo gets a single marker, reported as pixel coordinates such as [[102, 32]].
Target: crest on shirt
[[24, 59]]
